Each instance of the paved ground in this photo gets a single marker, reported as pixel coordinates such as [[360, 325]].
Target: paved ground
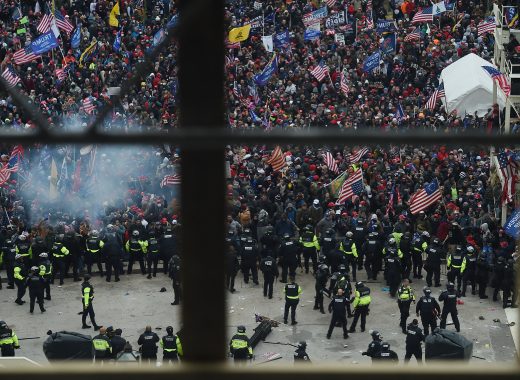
[[136, 301]]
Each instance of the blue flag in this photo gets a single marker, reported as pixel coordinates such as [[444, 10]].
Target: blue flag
[[372, 62], [117, 42], [269, 69], [173, 21], [399, 115], [512, 226], [282, 40], [311, 34], [388, 44], [76, 37], [44, 43], [385, 26], [159, 37], [254, 117]]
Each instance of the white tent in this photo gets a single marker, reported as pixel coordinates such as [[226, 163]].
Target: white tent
[[468, 87]]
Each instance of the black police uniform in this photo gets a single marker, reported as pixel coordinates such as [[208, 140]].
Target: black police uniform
[[300, 355], [36, 284], [249, 260], [322, 276], [169, 345], [428, 308], [175, 275], [374, 348], [148, 342], [469, 276], [288, 254], [112, 251], [359, 236], [292, 298], [152, 256], [232, 266], [449, 297], [405, 245], [392, 270], [339, 306], [498, 275], [387, 355], [482, 276], [417, 251], [167, 247], [20, 275], [414, 338], [372, 249], [434, 255], [9, 341], [270, 271], [9, 253], [508, 285], [93, 254]]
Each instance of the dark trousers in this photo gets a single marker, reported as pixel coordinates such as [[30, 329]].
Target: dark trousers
[[177, 292], [482, 285], [133, 258], [20, 289], [288, 268], [230, 281], [246, 268], [33, 296], [407, 267], [351, 262], [290, 304], [9, 270], [91, 259], [310, 254], [404, 308], [89, 310], [435, 272], [113, 263], [170, 357], [417, 264], [268, 285], [59, 266], [360, 311], [47, 287], [415, 351], [342, 319], [7, 350], [394, 279], [318, 299], [454, 318], [454, 274], [428, 323], [469, 278], [152, 258]]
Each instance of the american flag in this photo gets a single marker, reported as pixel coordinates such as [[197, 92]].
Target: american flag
[[399, 115], [61, 73], [88, 106], [320, 71], [277, 160], [390, 205], [355, 157], [353, 185], [24, 55], [331, 162], [508, 177], [424, 198], [63, 23], [10, 76], [437, 94], [486, 26], [45, 23], [330, 3], [343, 84], [414, 36], [169, 180], [4, 175], [500, 78], [424, 15], [14, 160]]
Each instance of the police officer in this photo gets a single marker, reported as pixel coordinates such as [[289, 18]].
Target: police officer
[[341, 280], [428, 309], [175, 275], [9, 254], [117, 342], [374, 347], [38, 247], [414, 338], [8, 340], [498, 275], [102, 345], [45, 271], [339, 306], [24, 249], [171, 345], [300, 355], [71, 242], [87, 295], [167, 247], [270, 271], [508, 285], [148, 342], [310, 247], [288, 254], [392, 266], [419, 247], [239, 346], [292, 293], [136, 249], [36, 284], [59, 253], [482, 275], [232, 266], [94, 254], [386, 354], [405, 245], [470, 271], [327, 243], [456, 264], [359, 236], [20, 273], [349, 249], [449, 297], [112, 250], [322, 276], [249, 260], [405, 297], [372, 249], [152, 254], [434, 255], [361, 304]]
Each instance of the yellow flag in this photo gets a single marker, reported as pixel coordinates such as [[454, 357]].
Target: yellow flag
[[53, 190], [239, 34], [88, 52], [112, 20]]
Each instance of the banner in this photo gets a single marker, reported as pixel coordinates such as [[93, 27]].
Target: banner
[[339, 38], [257, 22], [282, 40], [317, 15], [269, 69], [268, 43], [336, 19], [438, 8], [76, 37], [385, 26], [388, 44], [312, 32], [337, 183], [372, 62], [44, 43], [512, 226], [239, 34]]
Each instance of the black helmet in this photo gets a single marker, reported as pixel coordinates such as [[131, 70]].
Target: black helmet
[[450, 286], [86, 277], [359, 284], [302, 344], [329, 232], [376, 334], [169, 330], [427, 291], [3, 324], [323, 267], [308, 227], [241, 329], [458, 250], [286, 236], [322, 258], [342, 268]]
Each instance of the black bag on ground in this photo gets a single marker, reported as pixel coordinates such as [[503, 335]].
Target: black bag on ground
[[261, 332], [68, 345], [447, 345]]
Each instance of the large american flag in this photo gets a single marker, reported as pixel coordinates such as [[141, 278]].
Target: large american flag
[[424, 198], [343, 84], [353, 185], [424, 15], [355, 157], [63, 23], [277, 160], [88, 106], [437, 94], [4, 175], [14, 160], [500, 78], [320, 71], [10, 76], [170, 180], [24, 55], [509, 177], [61, 73], [486, 26], [45, 23], [414, 36], [331, 162]]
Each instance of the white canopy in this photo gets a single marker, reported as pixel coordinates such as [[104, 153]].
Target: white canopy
[[468, 87]]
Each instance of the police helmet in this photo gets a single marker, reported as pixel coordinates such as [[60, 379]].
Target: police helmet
[[359, 284], [385, 346], [349, 234], [86, 277], [308, 227], [95, 233], [376, 334], [43, 255], [427, 291], [18, 256], [330, 232], [426, 234], [321, 258], [22, 237], [135, 233], [342, 268], [3, 324], [470, 249], [241, 329], [391, 241], [450, 286], [110, 228], [34, 269], [323, 267], [286, 236], [59, 237], [458, 250], [302, 344], [169, 330]]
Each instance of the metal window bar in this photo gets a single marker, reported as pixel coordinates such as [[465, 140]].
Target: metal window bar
[[201, 29]]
